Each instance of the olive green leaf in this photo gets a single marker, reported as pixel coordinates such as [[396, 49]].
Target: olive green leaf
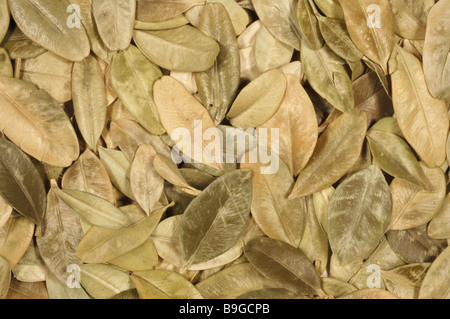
[[89, 99], [20, 184], [239, 17], [19, 46], [296, 121], [87, 19], [58, 290], [32, 119], [197, 178], [414, 245], [177, 109], [104, 281], [4, 22], [414, 206], [284, 264], [234, 281], [50, 73], [371, 27], [314, 243], [101, 245], [15, 237], [184, 49], [395, 157], [6, 68], [159, 10], [144, 257], [147, 185], [114, 20], [129, 135], [218, 85], [93, 209], [439, 226], [358, 215], [5, 277], [335, 287], [118, 168], [163, 284], [369, 293], [435, 50], [133, 76], [436, 284], [278, 216], [174, 22], [269, 52], [62, 235], [280, 18], [308, 15], [422, 119], [336, 151], [371, 97], [338, 39], [168, 170], [326, 73], [331, 8], [405, 281], [167, 243], [259, 100], [214, 220], [89, 175], [410, 17], [44, 21]]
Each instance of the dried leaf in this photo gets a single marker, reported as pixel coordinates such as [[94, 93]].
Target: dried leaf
[[436, 283], [40, 127], [326, 73], [277, 216], [114, 20], [15, 237], [5, 277], [93, 209], [6, 68], [297, 123], [335, 287], [62, 235], [31, 267], [405, 281], [179, 109], [101, 245], [89, 99], [410, 17], [158, 10], [19, 46], [309, 25], [184, 49], [358, 215], [371, 27], [369, 293], [439, 226], [336, 151], [422, 119], [435, 50], [214, 220], [239, 17], [218, 85], [412, 206], [20, 184], [27, 290], [58, 290], [103, 281], [133, 77], [50, 73], [280, 18], [44, 21], [144, 257], [233, 281], [284, 264], [259, 100], [414, 245], [4, 22]]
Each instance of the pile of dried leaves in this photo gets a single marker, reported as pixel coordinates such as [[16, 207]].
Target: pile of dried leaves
[[91, 93]]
